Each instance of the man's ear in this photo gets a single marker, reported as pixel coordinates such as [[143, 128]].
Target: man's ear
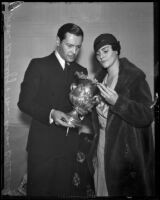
[[57, 41]]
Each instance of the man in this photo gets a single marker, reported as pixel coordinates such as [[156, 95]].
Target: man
[[45, 97], [123, 151]]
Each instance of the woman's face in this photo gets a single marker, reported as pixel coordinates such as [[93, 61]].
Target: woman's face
[[106, 56]]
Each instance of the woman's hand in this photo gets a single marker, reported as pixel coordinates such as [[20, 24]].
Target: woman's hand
[[108, 94]]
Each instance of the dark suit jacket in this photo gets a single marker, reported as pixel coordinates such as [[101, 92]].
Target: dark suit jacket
[[46, 86], [129, 151]]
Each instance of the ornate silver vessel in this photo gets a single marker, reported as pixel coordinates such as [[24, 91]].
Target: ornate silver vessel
[[83, 96]]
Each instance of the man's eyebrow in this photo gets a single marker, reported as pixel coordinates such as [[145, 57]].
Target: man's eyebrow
[[72, 44], [68, 43]]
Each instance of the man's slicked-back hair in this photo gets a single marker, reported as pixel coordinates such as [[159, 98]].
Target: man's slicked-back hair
[[69, 28]]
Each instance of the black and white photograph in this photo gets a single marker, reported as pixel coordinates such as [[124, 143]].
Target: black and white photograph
[[80, 100]]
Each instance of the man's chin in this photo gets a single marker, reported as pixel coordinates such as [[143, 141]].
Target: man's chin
[[70, 61]]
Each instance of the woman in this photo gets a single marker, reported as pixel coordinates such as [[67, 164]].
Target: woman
[[122, 151]]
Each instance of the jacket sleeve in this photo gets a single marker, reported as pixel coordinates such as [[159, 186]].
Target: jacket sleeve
[[29, 89], [135, 109]]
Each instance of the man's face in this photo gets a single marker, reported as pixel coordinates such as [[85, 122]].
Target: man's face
[[69, 47], [106, 56]]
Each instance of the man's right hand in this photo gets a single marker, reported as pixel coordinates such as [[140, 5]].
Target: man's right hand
[[60, 118]]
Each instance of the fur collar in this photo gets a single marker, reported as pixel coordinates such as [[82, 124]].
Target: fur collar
[[128, 73]]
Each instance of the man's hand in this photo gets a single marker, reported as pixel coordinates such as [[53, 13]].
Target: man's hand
[[108, 94], [60, 118]]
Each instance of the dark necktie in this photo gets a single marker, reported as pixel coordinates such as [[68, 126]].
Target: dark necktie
[[66, 66], [66, 71]]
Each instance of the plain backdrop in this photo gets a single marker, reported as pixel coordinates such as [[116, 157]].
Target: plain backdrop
[[30, 31]]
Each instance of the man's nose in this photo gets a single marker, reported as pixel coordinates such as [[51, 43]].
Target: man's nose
[[74, 49]]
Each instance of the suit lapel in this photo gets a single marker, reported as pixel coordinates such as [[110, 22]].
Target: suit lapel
[[57, 66]]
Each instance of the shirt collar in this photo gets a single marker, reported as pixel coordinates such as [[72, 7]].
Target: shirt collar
[[60, 59]]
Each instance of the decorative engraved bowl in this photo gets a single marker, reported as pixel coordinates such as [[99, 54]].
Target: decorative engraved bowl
[[84, 96]]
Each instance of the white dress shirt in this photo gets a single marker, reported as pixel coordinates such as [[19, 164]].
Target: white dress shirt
[[60, 59]]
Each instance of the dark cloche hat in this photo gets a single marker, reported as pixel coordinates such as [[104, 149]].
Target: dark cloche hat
[[105, 39]]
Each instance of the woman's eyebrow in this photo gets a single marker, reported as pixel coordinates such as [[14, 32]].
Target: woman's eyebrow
[[106, 47]]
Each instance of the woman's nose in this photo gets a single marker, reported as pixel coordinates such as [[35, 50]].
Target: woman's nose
[[101, 56]]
